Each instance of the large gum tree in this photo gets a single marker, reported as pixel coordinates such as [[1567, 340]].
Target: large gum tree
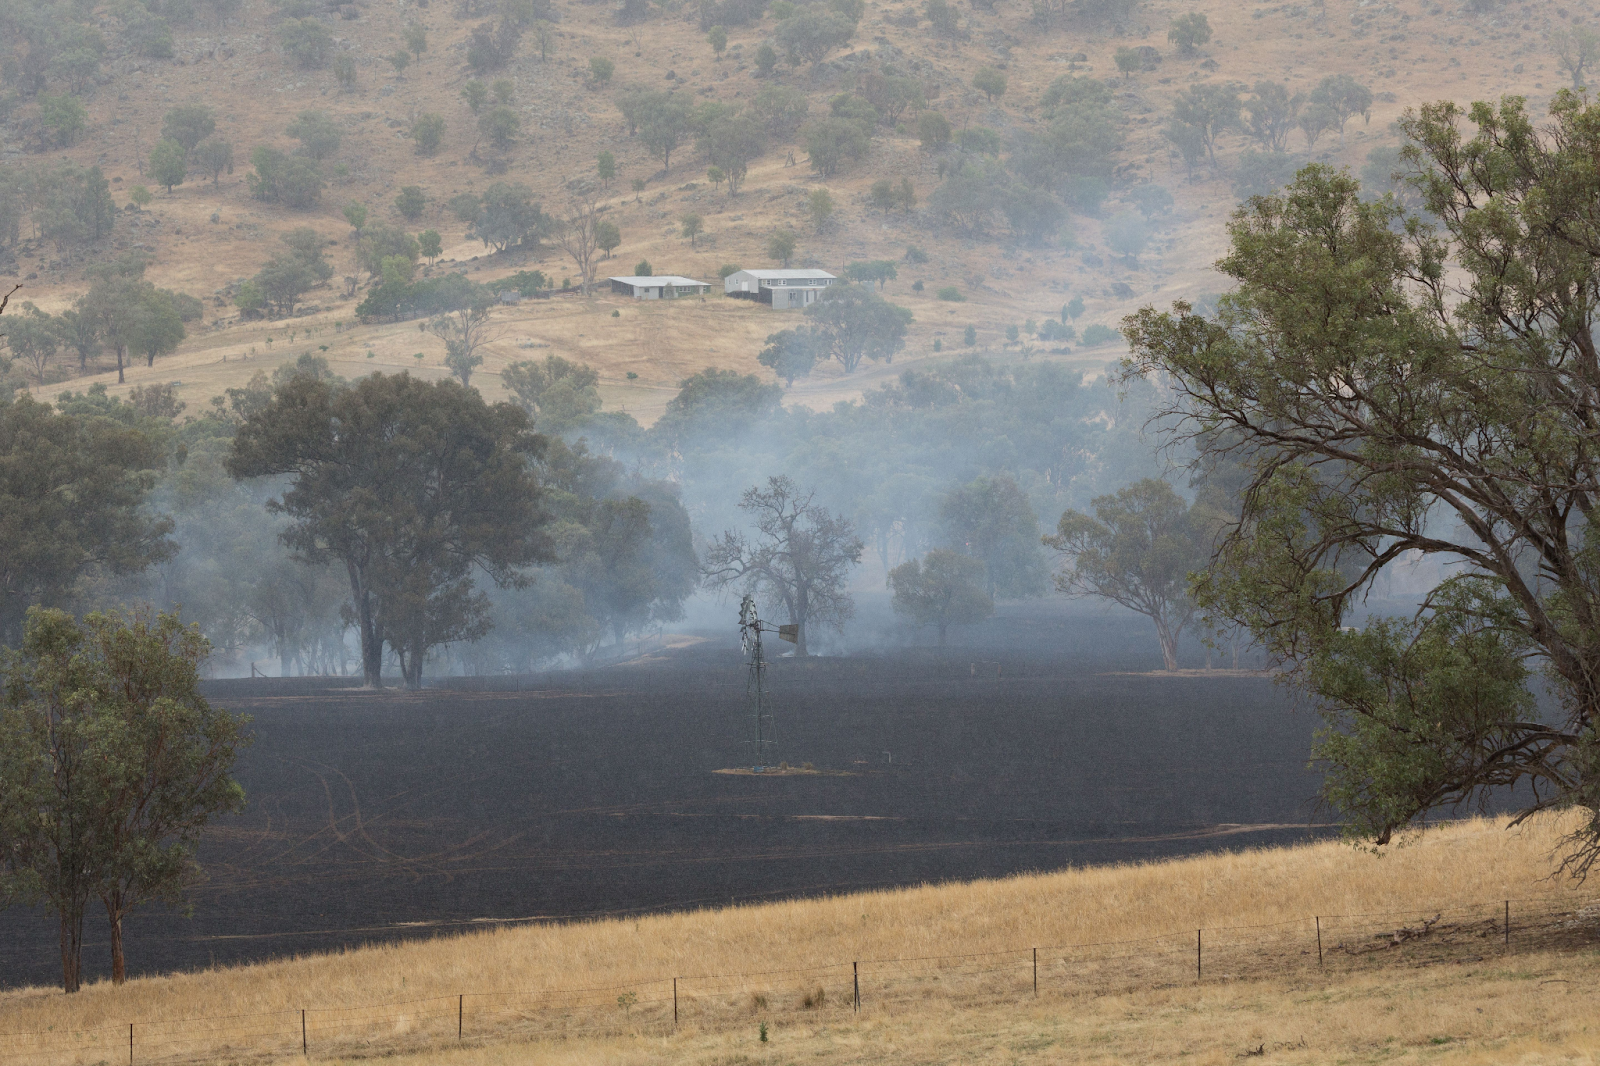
[[1428, 385]]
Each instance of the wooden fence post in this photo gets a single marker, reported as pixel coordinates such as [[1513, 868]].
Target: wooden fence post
[[1508, 923], [461, 1012], [130, 1044], [1319, 941], [304, 1048], [674, 1004], [1036, 972], [1197, 954], [855, 974]]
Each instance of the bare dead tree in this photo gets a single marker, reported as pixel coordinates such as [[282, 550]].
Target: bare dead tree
[[577, 232], [464, 331]]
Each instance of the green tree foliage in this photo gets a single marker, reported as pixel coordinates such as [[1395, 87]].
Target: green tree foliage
[[63, 118], [188, 125], [664, 122], [33, 338], [111, 766], [307, 42], [1577, 50], [212, 156], [791, 353], [492, 45], [1272, 113], [430, 245], [1138, 550], [168, 164], [798, 560], [891, 95], [1207, 109], [1128, 61], [831, 143], [410, 202], [344, 71], [854, 323], [781, 246], [692, 225], [819, 205], [428, 132], [86, 480], [1434, 433], [279, 178], [464, 330], [605, 166], [990, 82], [810, 35], [416, 38], [1189, 32], [560, 396], [476, 94], [731, 141], [508, 217], [380, 241], [876, 271], [1344, 97], [501, 125], [943, 18], [318, 134], [992, 520], [933, 129], [781, 110], [413, 487], [600, 70], [717, 38], [766, 59], [942, 589]]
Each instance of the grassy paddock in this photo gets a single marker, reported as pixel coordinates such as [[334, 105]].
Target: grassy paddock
[[946, 973]]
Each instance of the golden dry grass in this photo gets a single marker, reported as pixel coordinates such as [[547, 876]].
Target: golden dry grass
[[1112, 1002]]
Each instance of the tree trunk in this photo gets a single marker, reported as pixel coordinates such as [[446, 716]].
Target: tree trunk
[[72, 944], [1169, 644], [119, 965], [367, 626], [119, 366]]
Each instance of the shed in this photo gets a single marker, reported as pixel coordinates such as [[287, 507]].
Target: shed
[[779, 289], [659, 287]]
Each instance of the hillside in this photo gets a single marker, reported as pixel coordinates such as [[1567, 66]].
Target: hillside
[[1413, 968], [205, 238]]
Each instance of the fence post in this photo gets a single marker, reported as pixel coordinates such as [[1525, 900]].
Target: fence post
[[1319, 941], [304, 1049], [130, 1044], [1197, 954], [461, 1011], [1508, 923], [855, 976], [1035, 972], [674, 1004]]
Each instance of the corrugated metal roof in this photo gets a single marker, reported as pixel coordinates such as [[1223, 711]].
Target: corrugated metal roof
[[789, 273], [664, 279]]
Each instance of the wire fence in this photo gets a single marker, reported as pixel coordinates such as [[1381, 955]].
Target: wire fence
[[1327, 944]]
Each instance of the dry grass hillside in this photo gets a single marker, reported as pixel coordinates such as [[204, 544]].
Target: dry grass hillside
[[1415, 967], [1406, 51]]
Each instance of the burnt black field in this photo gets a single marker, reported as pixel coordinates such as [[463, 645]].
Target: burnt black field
[[1033, 745]]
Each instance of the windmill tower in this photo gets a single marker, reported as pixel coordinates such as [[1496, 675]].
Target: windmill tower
[[763, 734]]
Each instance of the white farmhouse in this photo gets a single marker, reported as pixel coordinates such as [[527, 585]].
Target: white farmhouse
[[780, 289], [660, 287]]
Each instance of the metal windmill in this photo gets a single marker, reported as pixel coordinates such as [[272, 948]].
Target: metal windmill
[[763, 738]]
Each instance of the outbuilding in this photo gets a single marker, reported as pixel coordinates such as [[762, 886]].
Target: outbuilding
[[660, 287], [779, 289]]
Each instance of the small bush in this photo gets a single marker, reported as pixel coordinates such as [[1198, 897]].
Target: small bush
[[951, 294], [818, 996], [916, 286]]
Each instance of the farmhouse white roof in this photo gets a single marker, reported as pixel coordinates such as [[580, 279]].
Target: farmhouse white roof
[[777, 274], [661, 279]]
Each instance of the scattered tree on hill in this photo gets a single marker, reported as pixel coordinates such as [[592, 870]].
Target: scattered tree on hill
[[344, 71], [577, 234], [410, 202], [284, 179], [781, 246], [991, 83], [992, 520], [600, 70], [605, 166], [476, 94], [791, 353], [33, 338], [692, 226], [428, 132], [1189, 32], [430, 245], [607, 235], [501, 125], [664, 124], [558, 394], [717, 38], [799, 559], [400, 59], [942, 589], [188, 125], [1128, 61], [1207, 109], [491, 47], [809, 35], [317, 133], [416, 38], [212, 156], [464, 331], [766, 59], [1577, 51], [414, 487], [819, 205], [63, 116], [307, 42], [1344, 97], [832, 142], [168, 164], [507, 217], [731, 142], [780, 110], [933, 129], [1272, 114]]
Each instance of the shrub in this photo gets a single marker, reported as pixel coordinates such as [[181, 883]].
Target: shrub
[[950, 293], [1098, 334]]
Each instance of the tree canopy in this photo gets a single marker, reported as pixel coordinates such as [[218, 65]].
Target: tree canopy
[[1396, 388]]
